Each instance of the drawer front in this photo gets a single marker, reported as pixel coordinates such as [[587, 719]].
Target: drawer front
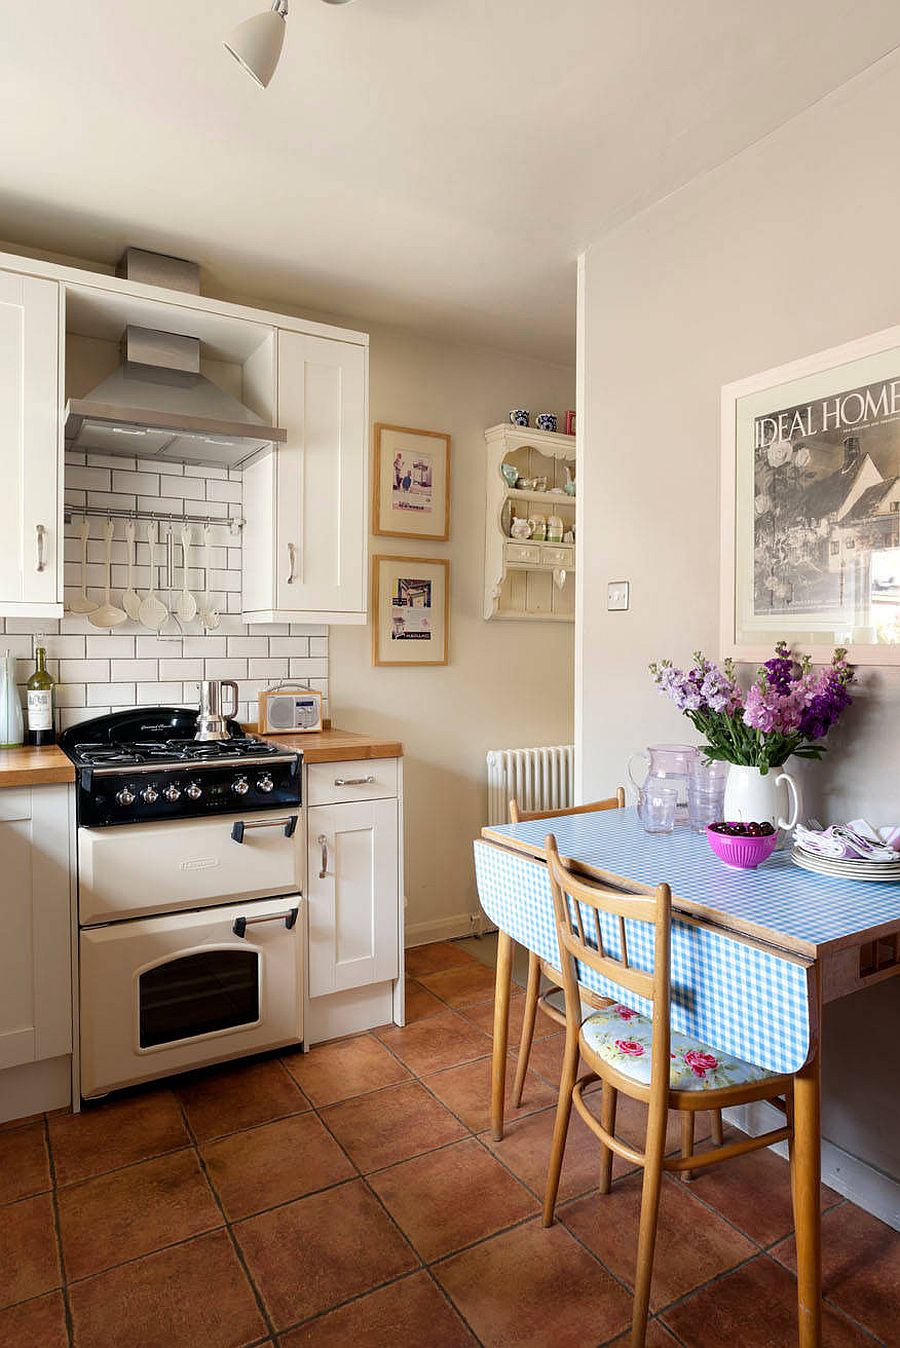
[[357, 779], [523, 552], [555, 554]]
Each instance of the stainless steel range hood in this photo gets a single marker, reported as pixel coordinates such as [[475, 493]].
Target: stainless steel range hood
[[157, 404]]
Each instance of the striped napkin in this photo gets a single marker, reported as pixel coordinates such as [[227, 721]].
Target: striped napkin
[[856, 841]]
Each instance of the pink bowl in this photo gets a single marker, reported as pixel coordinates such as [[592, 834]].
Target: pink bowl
[[743, 853]]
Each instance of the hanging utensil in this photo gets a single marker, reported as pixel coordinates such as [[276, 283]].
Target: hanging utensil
[[108, 615], [131, 600], [209, 614], [81, 603], [153, 612], [186, 604]]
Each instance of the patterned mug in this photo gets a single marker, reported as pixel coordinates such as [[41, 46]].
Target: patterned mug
[[546, 421], [520, 416]]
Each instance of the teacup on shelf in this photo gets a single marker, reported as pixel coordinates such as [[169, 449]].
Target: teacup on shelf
[[546, 421], [519, 416]]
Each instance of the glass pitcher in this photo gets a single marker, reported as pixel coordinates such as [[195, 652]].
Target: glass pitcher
[[670, 763]]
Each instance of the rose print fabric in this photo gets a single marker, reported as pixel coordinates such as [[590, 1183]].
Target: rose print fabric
[[623, 1038]]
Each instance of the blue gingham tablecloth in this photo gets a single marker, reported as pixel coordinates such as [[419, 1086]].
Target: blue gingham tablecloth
[[754, 1003]]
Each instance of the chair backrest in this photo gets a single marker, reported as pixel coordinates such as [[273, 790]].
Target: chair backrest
[[616, 802], [577, 905]]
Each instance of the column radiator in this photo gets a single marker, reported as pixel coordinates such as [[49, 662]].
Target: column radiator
[[539, 779]]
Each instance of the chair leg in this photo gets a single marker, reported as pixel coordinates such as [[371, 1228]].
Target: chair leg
[[687, 1140], [608, 1101], [532, 992], [718, 1134], [561, 1127], [653, 1163]]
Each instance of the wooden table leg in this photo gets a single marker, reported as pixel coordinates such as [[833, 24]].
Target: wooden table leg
[[807, 1213], [501, 1032]]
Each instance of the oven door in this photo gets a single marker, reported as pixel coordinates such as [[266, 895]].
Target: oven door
[[166, 994]]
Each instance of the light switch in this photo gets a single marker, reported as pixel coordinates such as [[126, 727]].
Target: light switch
[[617, 595]]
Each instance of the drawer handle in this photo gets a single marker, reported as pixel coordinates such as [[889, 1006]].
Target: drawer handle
[[289, 824], [323, 843], [41, 532], [240, 924], [292, 563], [354, 781]]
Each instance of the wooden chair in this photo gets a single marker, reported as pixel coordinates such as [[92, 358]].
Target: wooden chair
[[639, 1062], [538, 968]]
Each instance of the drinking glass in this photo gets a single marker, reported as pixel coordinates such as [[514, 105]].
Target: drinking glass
[[706, 794], [659, 805]]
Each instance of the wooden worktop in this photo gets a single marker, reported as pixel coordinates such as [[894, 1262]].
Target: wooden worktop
[[27, 766], [337, 746]]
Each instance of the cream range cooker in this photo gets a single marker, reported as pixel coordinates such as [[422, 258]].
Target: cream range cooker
[[190, 870]]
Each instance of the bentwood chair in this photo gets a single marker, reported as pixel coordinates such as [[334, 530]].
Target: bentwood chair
[[538, 969], [639, 1055]]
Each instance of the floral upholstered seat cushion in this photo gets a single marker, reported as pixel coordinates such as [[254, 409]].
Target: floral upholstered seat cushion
[[623, 1038]]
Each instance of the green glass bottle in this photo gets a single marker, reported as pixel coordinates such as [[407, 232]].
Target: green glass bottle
[[39, 713]]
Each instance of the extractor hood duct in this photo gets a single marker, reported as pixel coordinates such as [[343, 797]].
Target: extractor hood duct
[[157, 404]]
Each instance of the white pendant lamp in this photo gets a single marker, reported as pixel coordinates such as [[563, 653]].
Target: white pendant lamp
[[256, 43]]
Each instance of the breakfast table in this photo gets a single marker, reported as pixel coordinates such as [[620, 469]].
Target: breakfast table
[[755, 955]]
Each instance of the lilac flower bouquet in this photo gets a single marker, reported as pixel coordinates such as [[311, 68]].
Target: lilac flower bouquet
[[787, 710]]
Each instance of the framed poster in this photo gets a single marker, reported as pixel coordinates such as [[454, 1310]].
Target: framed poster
[[410, 610], [411, 483], [811, 505]]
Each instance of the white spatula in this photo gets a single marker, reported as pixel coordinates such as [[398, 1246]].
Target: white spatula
[[185, 604], [131, 600], [108, 615], [153, 612], [81, 603]]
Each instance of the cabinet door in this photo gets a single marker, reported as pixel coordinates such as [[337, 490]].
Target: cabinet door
[[30, 447], [35, 979], [320, 553], [352, 895]]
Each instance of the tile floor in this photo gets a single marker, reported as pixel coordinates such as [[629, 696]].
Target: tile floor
[[351, 1196]]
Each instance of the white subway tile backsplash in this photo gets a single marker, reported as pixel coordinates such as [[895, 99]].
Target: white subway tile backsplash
[[110, 694], [268, 668], [159, 694], [116, 644], [289, 646], [182, 669], [206, 471], [88, 479], [248, 645], [318, 646], [75, 716], [205, 647], [223, 491], [308, 669], [133, 670], [84, 671], [226, 669]]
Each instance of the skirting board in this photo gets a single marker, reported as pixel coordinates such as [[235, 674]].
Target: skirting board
[[34, 1087], [447, 928], [865, 1186]]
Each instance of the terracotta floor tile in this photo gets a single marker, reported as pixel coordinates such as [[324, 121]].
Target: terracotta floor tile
[[420, 1002], [24, 1168], [467, 1091], [430, 959], [230, 1098], [134, 1211], [631, 1124], [532, 1287], [464, 986], [104, 1137], [525, 1149], [482, 1015], [177, 1298], [440, 1041], [546, 1057], [273, 1164], [332, 1072], [408, 1313], [754, 1192], [657, 1337], [452, 1197], [754, 1307], [860, 1267], [391, 1125], [28, 1253], [312, 1254], [40, 1323], [692, 1244]]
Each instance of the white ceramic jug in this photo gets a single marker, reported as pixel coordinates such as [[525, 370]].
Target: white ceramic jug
[[755, 797]]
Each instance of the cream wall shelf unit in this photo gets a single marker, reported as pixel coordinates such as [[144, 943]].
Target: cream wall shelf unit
[[526, 578]]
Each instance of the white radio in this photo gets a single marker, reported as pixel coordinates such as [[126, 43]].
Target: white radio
[[290, 711]]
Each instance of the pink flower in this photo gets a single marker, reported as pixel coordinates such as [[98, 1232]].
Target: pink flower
[[625, 1012], [700, 1063], [631, 1047]]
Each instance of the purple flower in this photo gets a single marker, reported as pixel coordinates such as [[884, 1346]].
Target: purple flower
[[781, 670], [770, 711], [827, 699]]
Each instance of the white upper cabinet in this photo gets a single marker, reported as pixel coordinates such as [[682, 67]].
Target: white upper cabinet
[[305, 503], [30, 447]]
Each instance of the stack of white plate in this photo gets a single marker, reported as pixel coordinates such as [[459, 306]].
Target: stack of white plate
[[840, 867]]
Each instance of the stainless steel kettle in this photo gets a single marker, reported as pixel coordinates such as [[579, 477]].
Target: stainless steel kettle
[[211, 723]]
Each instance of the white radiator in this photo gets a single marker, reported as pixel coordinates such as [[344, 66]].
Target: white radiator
[[538, 779]]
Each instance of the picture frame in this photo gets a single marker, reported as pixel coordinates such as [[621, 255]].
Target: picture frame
[[810, 506], [410, 610], [411, 483]]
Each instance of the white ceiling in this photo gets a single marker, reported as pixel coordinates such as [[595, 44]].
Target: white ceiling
[[437, 163]]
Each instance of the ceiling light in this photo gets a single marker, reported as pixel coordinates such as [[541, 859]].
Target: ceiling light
[[256, 43]]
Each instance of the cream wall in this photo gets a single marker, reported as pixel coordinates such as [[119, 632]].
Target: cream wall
[[507, 683], [787, 249]]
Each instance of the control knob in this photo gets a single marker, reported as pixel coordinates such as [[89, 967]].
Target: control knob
[[125, 796], [194, 791], [240, 786], [172, 792], [265, 783], [149, 795]]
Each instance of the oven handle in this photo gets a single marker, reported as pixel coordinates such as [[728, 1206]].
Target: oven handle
[[240, 924], [288, 823]]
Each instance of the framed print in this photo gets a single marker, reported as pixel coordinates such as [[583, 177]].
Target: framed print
[[410, 610], [811, 505], [411, 483]]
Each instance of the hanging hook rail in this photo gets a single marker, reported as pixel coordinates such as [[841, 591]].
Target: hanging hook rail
[[235, 524]]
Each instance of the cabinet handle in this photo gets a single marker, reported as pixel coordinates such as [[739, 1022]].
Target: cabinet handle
[[323, 843], [354, 781], [41, 532], [240, 924], [289, 824], [292, 563]]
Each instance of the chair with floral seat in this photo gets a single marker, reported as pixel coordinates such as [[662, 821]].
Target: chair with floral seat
[[638, 1054]]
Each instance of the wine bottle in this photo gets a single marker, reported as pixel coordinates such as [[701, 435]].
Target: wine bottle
[[39, 711]]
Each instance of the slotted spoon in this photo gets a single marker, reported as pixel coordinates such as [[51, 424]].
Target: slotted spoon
[[185, 604], [81, 603], [108, 614], [153, 612], [131, 600]]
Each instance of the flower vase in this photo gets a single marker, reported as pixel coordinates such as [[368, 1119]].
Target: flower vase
[[752, 796]]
